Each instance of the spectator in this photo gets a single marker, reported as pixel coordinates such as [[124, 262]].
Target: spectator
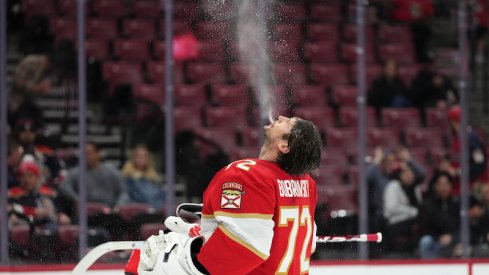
[[480, 12], [388, 90], [416, 13], [31, 77], [382, 170], [477, 152], [14, 157], [439, 220], [104, 182], [143, 183], [402, 199], [432, 89], [479, 228], [31, 201]]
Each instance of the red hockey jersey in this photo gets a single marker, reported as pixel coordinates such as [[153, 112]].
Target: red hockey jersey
[[257, 219]]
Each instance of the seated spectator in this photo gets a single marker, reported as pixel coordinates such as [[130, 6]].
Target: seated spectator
[[439, 220], [479, 228], [31, 201], [143, 183], [432, 89], [104, 182], [477, 152], [480, 12], [31, 77], [381, 171], [388, 91], [402, 199], [14, 156]]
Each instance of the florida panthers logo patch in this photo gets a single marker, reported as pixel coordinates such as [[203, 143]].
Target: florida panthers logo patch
[[232, 195]]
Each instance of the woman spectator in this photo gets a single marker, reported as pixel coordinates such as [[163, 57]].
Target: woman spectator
[[402, 198], [144, 185]]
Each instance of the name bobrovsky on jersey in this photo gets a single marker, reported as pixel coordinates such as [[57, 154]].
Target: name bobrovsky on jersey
[[293, 188]]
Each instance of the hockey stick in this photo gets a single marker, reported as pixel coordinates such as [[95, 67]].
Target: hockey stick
[[376, 237], [102, 249]]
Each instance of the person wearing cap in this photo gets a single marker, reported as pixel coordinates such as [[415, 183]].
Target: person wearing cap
[[477, 151], [30, 202]]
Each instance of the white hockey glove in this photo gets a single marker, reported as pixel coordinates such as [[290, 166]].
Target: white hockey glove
[[176, 258], [150, 251]]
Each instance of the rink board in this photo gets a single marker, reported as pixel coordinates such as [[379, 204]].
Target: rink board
[[317, 268]]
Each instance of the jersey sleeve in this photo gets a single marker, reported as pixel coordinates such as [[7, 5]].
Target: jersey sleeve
[[238, 209]]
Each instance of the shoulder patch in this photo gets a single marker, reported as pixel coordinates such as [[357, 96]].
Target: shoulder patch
[[232, 195]]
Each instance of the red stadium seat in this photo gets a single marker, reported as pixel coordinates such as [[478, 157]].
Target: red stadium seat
[[321, 52], [349, 53], [289, 12], [323, 32], [63, 28], [110, 8], [148, 229], [408, 72], [139, 28], [159, 49], [373, 71], [400, 52], [129, 211], [278, 100], [225, 117], [436, 154], [133, 50], [20, 236], [221, 137], [239, 73], [283, 52], [331, 157], [345, 96], [39, 7], [150, 93], [120, 73], [292, 32], [147, 9], [401, 118], [329, 176], [349, 117], [350, 34], [229, 95], [186, 10], [326, 12], [322, 117], [385, 137], [330, 74], [309, 96], [341, 137], [187, 118], [102, 28], [199, 72], [212, 30], [212, 51], [245, 152], [291, 74], [179, 27], [68, 8], [98, 49], [190, 95], [394, 33], [156, 72], [94, 208], [250, 137], [436, 118], [424, 137], [68, 235]]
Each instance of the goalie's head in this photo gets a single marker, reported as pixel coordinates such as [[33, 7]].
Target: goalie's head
[[295, 144]]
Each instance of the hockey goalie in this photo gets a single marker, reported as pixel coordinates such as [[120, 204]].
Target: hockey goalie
[[257, 215]]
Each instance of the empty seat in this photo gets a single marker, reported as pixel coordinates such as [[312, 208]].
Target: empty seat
[[328, 176], [348, 53], [68, 235], [156, 72], [400, 52], [186, 10], [98, 49], [350, 32], [159, 49], [394, 33], [153, 93], [139, 28], [212, 51], [401, 118], [186, 118], [179, 27], [132, 49], [341, 137], [147, 8], [199, 72], [424, 137], [322, 117], [39, 7], [211, 30], [309, 96], [225, 117], [279, 101], [322, 52], [118, 73], [190, 95], [69, 8], [20, 236], [436, 118], [330, 74], [63, 28], [372, 72], [238, 72], [283, 52], [291, 74], [408, 72], [148, 229], [326, 12], [331, 157], [229, 95], [101, 28], [384, 137], [213, 139], [109, 8], [95, 208], [250, 136], [323, 32], [345, 96], [287, 31], [349, 117], [289, 12], [245, 152], [129, 211]]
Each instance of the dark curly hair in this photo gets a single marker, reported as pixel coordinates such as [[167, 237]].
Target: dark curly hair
[[305, 145]]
